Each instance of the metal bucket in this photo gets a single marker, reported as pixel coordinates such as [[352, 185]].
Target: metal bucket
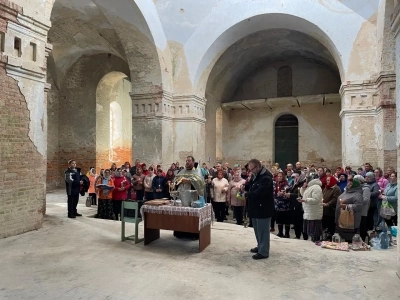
[[187, 197]]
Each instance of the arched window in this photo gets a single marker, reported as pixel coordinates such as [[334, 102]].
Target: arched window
[[115, 129], [285, 86], [286, 140]]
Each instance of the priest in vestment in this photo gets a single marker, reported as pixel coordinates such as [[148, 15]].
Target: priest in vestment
[[190, 178]]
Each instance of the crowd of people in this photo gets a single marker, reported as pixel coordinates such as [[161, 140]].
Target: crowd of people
[[306, 199], [312, 199]]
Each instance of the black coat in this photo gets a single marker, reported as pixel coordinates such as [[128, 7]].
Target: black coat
[[72, 187], [294, 194], [374, 187], [261, 195]]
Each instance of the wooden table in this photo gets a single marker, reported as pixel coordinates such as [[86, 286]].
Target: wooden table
[[154, 221]]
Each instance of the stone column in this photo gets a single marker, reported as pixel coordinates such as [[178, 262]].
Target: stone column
[[386, 120], [152, 128], [359, 119], [368, 122], [395, 19], [189, 127]]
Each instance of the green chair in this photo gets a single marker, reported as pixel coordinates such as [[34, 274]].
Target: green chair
[[136, 220]]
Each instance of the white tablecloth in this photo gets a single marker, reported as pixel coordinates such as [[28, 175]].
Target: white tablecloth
[[205, 214]]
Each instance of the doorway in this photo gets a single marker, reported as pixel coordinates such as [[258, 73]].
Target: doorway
[[286, 140]]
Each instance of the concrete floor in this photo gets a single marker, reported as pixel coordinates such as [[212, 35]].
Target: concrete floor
[[84, 258]]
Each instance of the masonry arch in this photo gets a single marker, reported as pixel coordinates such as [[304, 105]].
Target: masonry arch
[[113, 120], [266, 73], [90, 39]]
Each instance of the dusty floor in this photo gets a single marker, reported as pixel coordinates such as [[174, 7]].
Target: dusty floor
[[84, 258]]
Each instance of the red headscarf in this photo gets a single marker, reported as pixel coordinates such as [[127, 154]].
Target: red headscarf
[[332, 182]]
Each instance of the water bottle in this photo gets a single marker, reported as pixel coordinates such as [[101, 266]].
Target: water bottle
[[357, 242], [336, 238], [384, 237]]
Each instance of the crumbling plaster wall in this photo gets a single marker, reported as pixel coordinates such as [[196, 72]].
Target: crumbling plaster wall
[[395, 25], [251, 134], [307, 79], [149, 56], [113, 88], [23, 120], [217, 33], [77, 112]]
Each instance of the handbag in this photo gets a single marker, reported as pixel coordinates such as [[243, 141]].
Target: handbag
[[88, 201], [387, 210], [346, 219]]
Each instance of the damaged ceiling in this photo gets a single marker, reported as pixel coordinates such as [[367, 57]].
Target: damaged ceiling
[[258, 50]]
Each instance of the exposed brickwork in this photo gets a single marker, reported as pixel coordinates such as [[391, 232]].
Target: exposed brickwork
[[72, 116], [22, 180], [387, 102]]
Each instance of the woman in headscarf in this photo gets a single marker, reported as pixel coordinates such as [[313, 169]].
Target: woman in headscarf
[[351, 200], [366, 201], [342, 182], [145, 172], [330, 193], [104, 186], [293, 194], [282, 205], [312, 205], [92, 187], [120, 192], [237, 204], [168, 180]]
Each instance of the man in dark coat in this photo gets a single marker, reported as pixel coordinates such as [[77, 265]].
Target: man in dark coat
[[261, 206], [72, 185]]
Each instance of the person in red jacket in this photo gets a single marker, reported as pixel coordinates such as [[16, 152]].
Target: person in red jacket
[[120, 192]]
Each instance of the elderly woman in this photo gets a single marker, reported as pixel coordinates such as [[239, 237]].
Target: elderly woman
[[366, 201], [218, 195], [282, 205], [297, 208], [330, 193], [390, 195], [104, 187], [312, 205], [380, 179], [237, 204], [351, 200]]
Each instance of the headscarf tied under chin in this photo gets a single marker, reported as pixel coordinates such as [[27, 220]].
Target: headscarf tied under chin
[[355, 184], [332, 182]]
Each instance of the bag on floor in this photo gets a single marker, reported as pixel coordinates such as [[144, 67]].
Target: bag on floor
[[346, 219], [88, 201], [387, 210]]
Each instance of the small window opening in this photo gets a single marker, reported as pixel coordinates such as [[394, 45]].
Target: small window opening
[[17, 47], [2, 41], [34, 51]]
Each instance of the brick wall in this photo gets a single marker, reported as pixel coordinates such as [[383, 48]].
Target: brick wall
[[72, 116], [23, 169], [22, 180]]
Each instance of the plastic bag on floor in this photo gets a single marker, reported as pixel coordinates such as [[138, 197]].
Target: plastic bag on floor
[[376, 243], [393, 231]]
